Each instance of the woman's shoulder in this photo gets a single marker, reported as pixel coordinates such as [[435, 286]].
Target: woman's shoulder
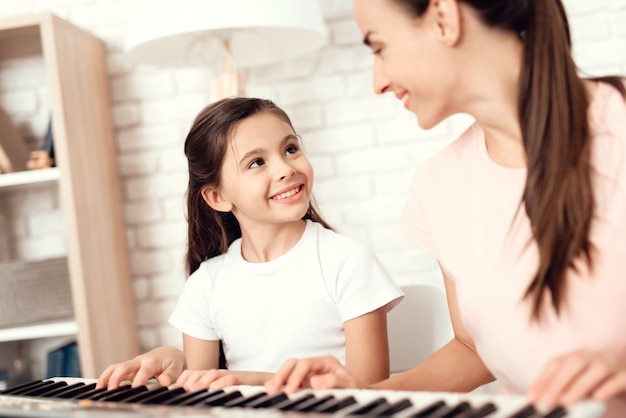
[[453, 160]]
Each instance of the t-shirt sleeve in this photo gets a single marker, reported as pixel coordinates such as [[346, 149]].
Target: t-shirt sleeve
[[414, 222], [363, 285], [192, 314]]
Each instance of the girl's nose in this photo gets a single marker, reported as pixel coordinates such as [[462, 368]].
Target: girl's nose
[[286, 171]]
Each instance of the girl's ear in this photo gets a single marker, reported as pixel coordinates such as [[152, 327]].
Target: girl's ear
[[447, 15], [216, 200]]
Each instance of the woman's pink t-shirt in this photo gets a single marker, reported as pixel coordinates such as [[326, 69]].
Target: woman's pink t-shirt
[[462, 210]]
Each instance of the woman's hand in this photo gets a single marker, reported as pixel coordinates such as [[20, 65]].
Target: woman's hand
[[213, 379], [317, 373], [582, 374], [164, 363]]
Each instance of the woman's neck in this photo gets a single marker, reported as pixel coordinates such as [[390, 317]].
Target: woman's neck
[[493, 95], [263, 243]]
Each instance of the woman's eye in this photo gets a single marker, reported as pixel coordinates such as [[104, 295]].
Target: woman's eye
[[256, 163]]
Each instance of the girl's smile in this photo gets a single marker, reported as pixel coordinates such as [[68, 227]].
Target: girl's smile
[[292, 194]]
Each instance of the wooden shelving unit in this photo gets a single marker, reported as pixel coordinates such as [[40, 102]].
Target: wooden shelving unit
[[88, 185]]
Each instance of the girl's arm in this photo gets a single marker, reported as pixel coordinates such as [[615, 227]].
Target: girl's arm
[[201, 354], [165, 363], [203, 368], [367, 349]]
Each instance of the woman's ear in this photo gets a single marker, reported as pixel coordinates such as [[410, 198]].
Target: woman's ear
[[447, 15], [216, 200]]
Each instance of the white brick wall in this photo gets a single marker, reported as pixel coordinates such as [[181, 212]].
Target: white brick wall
[[365, 148]]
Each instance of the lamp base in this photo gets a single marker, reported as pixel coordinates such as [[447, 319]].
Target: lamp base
[[227, 84]]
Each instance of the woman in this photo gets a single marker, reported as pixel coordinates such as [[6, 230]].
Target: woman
[[525, 212]]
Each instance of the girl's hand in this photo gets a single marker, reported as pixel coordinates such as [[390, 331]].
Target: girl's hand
[[582, 374], [316, 372], [164, 363], [213, 379]]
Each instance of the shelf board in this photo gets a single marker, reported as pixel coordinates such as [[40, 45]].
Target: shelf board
[[20, 178], [42, 330]]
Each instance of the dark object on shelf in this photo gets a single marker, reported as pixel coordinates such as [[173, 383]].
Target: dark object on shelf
[[64, 361], [13, 151], [43, 158]]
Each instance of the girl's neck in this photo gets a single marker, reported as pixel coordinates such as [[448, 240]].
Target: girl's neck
[[263, 243]]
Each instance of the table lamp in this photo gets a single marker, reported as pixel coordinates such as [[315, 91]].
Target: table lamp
[[223, 35]]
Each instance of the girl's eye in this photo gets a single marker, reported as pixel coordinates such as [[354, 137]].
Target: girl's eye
[[292, 149], [256, 163], [377, 51]]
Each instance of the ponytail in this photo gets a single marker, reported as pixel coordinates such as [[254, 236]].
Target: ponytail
[[558, 195]]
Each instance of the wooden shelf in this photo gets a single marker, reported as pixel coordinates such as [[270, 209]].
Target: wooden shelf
[[43, 330], [88, 184], [22, 178]]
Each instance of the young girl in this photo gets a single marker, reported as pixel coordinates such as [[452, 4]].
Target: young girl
[[269, 279], [525, 212]]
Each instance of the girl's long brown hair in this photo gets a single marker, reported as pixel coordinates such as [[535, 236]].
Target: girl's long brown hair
[[211, 232], [553, 104]]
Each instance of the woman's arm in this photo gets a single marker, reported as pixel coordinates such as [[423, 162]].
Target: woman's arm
[[456, 367], [367, 349]]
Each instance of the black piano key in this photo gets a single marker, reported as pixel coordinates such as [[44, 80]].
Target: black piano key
[[457, 410], [335, 405], [480, 412], [391, 409], [105, 393], [268, 401], [526, 412], [429, 410], [312, 403], [291, 403], [90, 393], [57, 392], [370, 406], [192, 398], [141, 395], [22, 391], [557, 412], [44, 389], [161, 397], [12, 390], [123, 395], [220, 400], [72, 393], [244, 401]]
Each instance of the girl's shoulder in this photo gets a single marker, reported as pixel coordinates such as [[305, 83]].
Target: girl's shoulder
[[340, 247]]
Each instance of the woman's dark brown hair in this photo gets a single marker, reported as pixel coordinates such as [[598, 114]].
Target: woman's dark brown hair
[[553, 104], [211, 232]]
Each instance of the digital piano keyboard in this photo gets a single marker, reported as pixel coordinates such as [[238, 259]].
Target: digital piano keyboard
[[72, 397]]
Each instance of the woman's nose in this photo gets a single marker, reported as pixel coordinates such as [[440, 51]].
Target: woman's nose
[[380, 79]]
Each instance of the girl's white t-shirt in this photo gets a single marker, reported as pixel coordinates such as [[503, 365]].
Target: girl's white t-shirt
[[292, 306]]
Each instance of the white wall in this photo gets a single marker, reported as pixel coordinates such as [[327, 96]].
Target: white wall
[[365, 148]]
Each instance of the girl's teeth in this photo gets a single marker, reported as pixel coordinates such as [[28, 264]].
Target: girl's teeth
[[285, 195]]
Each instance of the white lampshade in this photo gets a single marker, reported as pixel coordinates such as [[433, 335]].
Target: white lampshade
[[194, 32]]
